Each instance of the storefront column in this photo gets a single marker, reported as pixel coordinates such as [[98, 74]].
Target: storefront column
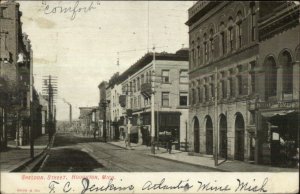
[[279, 83], [296, 80], [258, 141]]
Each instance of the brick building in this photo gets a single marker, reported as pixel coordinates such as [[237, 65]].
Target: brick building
[[228, 41], [16, 73], [171, 96], [102, 102]]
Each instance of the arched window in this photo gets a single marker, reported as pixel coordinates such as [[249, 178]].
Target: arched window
[[211, 43], [285, 60], [205, 46], [270, 77], [253, 21], [239, 31], [222, 39], [230, 35]]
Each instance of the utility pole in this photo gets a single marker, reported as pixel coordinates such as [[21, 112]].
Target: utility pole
[[104, 120], [129, 115], [152, 106], [31, 106], [50, 90], [216, 117]]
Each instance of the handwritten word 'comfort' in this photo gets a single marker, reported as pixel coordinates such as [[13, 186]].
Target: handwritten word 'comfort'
[[73, 9]]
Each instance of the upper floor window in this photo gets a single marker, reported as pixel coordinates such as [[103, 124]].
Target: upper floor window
[[165, 76], [183, 99], [270, 77], [165, 99], [253, 22], [183, 77], [134, 86], [142, 79], [138, 84], [230, 35], [252, 75], [239, 34], [211, 42]]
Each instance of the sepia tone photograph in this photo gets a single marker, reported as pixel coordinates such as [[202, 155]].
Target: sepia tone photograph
[[149, 86]]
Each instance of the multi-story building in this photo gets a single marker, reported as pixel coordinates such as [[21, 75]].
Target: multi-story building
[[171, 96], [102, 106], [276, 108], [16, 72], [88, 120], [227, 72], [113, 92]]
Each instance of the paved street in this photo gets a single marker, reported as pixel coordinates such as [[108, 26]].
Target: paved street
[[79, 154]]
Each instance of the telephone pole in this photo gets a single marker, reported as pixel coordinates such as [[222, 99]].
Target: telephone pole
[[50, 90], [216, 117], [152, 106]]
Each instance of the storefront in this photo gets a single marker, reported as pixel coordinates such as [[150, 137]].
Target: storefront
[[278, 134], [165, 123]]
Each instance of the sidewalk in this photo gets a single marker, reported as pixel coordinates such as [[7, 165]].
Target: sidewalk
[[204, 161], [15, 157]]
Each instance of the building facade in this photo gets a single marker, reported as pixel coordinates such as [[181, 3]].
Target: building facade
[[102, 102], [171, 97], [16, 75], [227, 74]]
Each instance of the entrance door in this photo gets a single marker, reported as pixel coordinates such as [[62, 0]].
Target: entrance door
[[223, 137], [196, 136], [209, 136], [239, 137]]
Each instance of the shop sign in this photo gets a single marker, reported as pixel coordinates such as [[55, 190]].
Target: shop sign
[[265, 105]]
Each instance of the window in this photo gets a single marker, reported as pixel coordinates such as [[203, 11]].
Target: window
[[239, 32], [183, 76], [183, 99], [206, 94], [239, 84], [199, 95], [165, 99], [224, 88], [205, 52], [165, 76], [130, 87], [198, 53], [147, 78], [230, 31], [253, 76], [134, 86], [253, 22], [232, 87], [212, 90], [142, 79], [138, 84], [211, 42]]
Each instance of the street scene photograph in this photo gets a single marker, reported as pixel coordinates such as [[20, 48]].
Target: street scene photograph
[[149, 86]]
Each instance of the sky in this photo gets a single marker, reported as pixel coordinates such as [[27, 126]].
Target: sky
[[82, 50]]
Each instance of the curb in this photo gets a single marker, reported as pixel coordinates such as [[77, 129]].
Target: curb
[[31, 160], [168, 159], [197, 165]]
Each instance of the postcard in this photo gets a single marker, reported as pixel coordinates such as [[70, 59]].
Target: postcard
[[149, 96]]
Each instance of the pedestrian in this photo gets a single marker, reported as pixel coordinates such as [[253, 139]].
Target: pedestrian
[[169, 146]]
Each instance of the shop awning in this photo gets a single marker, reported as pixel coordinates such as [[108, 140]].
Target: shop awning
[[277, 113]]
